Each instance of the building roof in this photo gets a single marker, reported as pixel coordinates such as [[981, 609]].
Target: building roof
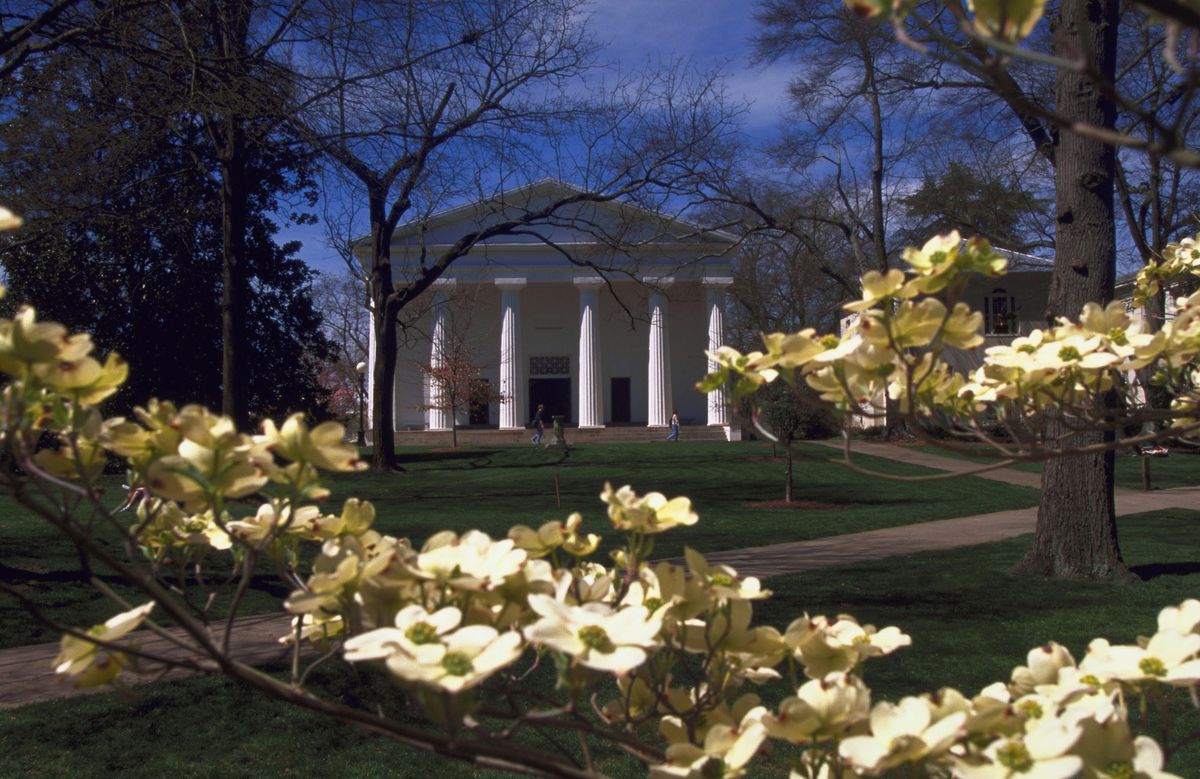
[[538, 194], [571, 232]]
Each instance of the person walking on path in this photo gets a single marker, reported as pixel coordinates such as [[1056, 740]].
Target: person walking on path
[[539, 426], [674, 435]]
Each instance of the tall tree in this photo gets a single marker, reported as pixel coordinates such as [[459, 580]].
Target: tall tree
[[221, 51], [978, 202], [1074, 131], [1077, 525], [418, 104], [124, 235], [346, 322], [853, 131]]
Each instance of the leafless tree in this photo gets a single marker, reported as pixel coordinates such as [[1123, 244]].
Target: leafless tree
[[420, 104], [456, 384]]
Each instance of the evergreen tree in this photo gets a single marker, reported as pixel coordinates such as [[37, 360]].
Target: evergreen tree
[[124, 234]]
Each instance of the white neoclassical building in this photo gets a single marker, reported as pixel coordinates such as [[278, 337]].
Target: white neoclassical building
[[603, 315]]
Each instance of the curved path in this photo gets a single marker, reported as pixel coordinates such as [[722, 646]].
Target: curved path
[[26, 675]]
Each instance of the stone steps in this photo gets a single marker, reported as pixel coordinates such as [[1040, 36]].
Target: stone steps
[[619, 434]]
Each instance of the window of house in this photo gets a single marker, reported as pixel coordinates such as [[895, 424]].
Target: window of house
[[549, 366], [1000, 313]]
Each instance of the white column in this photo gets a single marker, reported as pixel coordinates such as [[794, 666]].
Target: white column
[[718, 412], [439, 417], [658, 373], [591, 392], [512, 406]]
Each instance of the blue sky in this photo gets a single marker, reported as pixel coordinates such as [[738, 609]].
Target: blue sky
[[709, 33]]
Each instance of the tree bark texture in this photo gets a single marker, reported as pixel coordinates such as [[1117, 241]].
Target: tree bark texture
[[384, 313], [235, 290], [230, 27], [1076, 527]]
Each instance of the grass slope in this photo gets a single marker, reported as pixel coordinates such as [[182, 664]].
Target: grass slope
[[495, 489]]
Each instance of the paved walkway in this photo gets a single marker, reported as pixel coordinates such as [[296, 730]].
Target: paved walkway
[[26, 675], [799, 556]]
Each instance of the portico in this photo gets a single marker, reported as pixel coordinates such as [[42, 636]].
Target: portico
[[599, 338]]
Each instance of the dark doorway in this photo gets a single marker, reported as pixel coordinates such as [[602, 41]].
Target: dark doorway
[[621, 405], [554, 394], [479, 413]]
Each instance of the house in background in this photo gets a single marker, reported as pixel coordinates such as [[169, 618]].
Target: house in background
[[1012, 305], [602, 314]]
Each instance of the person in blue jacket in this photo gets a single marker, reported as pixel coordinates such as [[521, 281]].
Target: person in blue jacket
[[539, 426], [674, 435]]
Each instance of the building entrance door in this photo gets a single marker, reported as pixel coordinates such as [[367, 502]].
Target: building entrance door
[[621, 400], [554, 394]]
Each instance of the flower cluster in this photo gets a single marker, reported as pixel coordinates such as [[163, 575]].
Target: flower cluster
[[998, 20], [907, 320]]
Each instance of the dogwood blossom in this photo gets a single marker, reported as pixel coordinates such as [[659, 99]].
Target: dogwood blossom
[[721, 581], [91, 664], [453, 662], [323, 446], [650, 513], [825, 708], [825, 646], [1042, 753], [595, 635], [725, 753], [1160, 660]]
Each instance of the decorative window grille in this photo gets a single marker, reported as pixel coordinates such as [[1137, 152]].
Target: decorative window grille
[[1000, 313], [549, 366]]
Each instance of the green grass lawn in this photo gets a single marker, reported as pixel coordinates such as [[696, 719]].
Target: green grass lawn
[[970, 620], [494, 489], [1180, 469]]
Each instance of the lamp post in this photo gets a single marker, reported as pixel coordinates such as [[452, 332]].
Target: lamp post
[[361, 369]]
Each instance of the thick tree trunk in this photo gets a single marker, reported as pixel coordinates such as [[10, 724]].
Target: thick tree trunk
[[384, 313], [1076, 526]]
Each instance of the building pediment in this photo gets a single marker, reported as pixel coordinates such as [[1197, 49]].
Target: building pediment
[[549, 230]]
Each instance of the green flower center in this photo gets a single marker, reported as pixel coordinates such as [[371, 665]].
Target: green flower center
[[1090, 679], [1032, 709], [721, 579], [421, 633], [1117, 336], [1069, 354], [1014, 756], [863, 639], [1152, 666], [830, 342], [595, 637], [1027, 349], [652, 604], [457, 664], [1119, 771]]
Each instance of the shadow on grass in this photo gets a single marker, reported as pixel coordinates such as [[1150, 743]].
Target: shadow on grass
[[432, 456], [1154, 570]]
